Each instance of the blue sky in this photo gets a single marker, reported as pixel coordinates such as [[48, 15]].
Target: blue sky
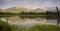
[[29, 3]]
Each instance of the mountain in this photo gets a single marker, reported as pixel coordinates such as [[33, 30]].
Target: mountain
[[24, 9], [41, 9], [16, 9], [33, 9], [53, 9]]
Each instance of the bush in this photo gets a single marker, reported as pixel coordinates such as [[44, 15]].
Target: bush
[[6, 27]]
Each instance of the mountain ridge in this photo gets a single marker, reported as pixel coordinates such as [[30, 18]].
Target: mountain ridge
[[19, 9]]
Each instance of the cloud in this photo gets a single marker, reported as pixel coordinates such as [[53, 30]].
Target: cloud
[[29, 3]]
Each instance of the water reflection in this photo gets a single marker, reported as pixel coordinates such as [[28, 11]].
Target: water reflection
[[28, 21]]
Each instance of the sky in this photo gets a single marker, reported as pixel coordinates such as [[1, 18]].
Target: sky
[[29, 3]]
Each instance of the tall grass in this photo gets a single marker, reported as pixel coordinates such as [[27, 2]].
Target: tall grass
[[44, 28], [6, 27]]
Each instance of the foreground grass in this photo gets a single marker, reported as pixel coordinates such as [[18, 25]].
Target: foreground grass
[[6, 27], [44, 28]]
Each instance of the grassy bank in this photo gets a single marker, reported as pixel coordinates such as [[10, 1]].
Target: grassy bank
[[6, 27], [43, 28]]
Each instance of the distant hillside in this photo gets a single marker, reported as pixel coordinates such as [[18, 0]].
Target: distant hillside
[[24, 9], [15, 9], [41, 9]]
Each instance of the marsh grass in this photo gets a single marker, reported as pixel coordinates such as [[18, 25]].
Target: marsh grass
[[44, 28], [6, 27]]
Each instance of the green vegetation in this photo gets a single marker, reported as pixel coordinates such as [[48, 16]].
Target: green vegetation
[[52, 15], [48, 15], [6, 27], [23, 14], [44, 28], [6, 14], [31, 15]]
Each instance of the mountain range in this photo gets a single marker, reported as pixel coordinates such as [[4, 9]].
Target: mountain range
[[24, 9]]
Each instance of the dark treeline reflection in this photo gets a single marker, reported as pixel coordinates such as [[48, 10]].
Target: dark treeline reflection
[[52, 15], [47, 14]]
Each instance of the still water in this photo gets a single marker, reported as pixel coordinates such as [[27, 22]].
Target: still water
[[28, 21]]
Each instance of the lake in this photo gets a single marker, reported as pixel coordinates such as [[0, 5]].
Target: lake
[[16, 20]]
